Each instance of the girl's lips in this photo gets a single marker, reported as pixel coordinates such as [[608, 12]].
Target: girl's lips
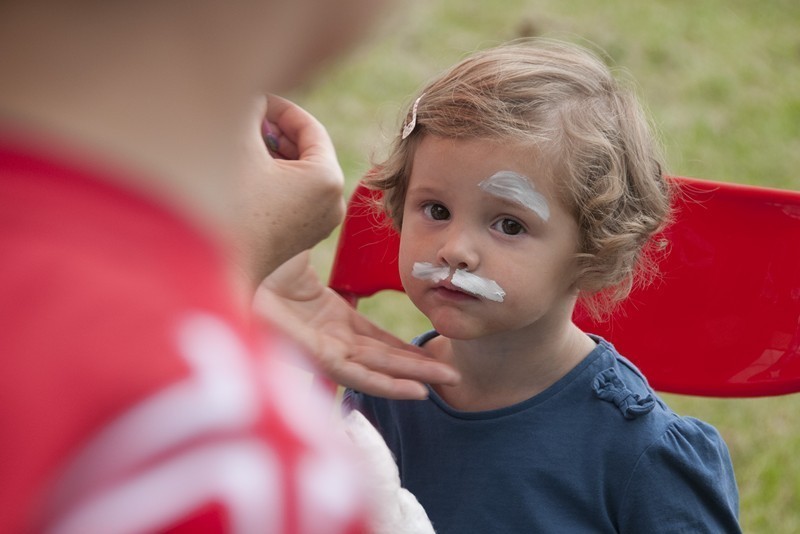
[[459, 280], [450, 292]]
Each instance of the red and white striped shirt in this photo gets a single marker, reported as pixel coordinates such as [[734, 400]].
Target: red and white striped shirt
[[133, 397]]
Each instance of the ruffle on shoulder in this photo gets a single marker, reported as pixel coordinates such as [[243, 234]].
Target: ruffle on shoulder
[[608, 386]]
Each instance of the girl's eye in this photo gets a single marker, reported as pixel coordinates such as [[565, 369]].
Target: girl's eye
[[437, 212], [509, 227]]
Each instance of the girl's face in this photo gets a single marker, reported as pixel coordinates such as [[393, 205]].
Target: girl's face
[[486, 245]]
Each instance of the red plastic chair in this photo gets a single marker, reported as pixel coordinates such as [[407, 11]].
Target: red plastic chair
[[722, 321]]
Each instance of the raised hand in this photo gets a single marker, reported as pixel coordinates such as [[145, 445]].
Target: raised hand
[[291, 197]]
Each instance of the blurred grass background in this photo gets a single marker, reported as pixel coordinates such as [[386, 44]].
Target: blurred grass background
[[722, 82]]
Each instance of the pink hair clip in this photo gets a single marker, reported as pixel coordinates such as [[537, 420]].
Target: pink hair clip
[[408, 128]]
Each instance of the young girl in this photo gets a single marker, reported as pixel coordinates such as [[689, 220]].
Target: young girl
[[524, 179]]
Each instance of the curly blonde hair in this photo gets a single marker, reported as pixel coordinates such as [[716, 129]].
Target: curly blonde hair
[[564, 103]]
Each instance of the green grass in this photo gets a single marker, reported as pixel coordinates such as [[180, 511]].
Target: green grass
[[722, 82]]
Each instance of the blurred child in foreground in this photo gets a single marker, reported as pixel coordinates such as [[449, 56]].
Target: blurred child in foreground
[[139, 211]]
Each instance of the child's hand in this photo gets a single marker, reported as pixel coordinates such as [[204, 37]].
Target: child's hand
[[291, 194], [344, 345]]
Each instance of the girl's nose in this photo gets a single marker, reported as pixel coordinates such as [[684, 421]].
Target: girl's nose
[[459, 250]]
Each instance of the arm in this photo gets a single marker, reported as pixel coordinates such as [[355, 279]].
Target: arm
[[345, 346], [682, 483]]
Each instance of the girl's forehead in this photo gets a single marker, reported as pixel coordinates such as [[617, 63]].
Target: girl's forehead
[[438, 159]]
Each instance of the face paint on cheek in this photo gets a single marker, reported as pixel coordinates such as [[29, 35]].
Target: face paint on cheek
[[479, 286], [518, 189]]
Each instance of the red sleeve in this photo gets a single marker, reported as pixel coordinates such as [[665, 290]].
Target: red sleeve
[[230, 446], [133, 399]]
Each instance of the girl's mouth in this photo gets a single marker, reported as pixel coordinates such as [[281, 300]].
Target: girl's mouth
[[449, 292], [460, 281]]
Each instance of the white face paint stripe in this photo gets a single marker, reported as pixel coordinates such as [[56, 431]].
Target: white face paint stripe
[[518, 189], [464, 280], [428, 271], [482, 287]]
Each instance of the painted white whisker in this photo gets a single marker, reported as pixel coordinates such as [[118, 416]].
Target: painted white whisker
[[429, 271], [518, 189], [477, 285], [464, 280]]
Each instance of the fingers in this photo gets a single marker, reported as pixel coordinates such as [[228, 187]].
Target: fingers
[[363, 326], [344, 345], [307, 135], [359, 378], [279, 146], [402, 363], [333, 358], [314, 172], [371, 367]]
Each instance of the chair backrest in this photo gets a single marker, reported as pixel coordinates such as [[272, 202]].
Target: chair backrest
[[723, 320]]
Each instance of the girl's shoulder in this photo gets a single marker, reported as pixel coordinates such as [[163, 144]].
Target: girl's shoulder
[[642, 416]]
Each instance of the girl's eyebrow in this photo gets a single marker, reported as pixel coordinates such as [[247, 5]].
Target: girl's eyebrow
[[518, 189], [423, 190]]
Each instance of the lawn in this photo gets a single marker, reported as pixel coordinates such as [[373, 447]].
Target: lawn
[[721, 80]]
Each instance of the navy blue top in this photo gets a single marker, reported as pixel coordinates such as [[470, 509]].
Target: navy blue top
[[597, 451]]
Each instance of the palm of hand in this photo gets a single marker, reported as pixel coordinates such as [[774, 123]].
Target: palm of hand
[[344, 345]]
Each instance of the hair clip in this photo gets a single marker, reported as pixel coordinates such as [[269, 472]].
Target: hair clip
[[408, 128]]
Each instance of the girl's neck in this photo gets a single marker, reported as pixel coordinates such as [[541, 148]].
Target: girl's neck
[[507, 368]]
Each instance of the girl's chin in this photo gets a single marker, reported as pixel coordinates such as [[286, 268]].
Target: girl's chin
[[458, 330], [456, 320]]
